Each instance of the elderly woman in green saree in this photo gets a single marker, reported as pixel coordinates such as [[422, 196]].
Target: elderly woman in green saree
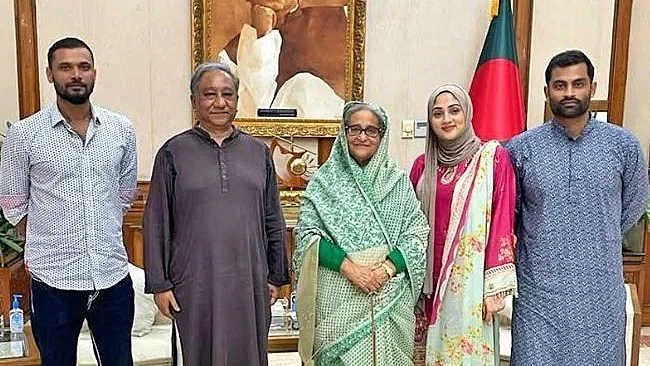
[[360, 256]]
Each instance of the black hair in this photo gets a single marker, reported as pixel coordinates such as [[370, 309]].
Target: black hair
[[68, 42], [569, 58]]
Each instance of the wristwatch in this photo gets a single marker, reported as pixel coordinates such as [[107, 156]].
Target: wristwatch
[[389, 271]]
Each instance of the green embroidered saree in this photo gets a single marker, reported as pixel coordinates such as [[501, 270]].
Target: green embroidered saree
[[367, 211]]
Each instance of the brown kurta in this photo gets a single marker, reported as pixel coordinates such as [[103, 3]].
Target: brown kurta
[[214, 233]]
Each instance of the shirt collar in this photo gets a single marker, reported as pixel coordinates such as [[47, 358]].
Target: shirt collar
[[56, 117], [204, 134], [591, 123]]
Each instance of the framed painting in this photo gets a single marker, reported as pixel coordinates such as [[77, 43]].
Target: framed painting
[[304, 56]]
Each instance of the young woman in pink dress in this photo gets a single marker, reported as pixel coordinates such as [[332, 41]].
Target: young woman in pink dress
[[467, 189]]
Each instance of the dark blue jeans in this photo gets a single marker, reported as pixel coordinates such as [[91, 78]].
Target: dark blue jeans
[[57, 317]]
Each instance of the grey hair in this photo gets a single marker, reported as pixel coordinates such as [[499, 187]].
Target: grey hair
[[212, 66], [354, 106]]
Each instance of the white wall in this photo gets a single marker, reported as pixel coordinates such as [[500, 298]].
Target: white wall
[[8, 76], [637, 108], [412, 47], [559, 25], [142, 56]]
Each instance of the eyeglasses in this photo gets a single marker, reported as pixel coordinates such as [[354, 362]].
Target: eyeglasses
[[370, 131]]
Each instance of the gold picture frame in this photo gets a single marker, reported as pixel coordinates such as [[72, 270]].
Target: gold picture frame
[[202, 14]]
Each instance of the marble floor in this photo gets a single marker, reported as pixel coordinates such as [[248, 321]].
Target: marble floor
[[284, 359], [292, 359]]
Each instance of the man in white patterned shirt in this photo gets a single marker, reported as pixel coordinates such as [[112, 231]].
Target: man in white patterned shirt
[[68, 175]]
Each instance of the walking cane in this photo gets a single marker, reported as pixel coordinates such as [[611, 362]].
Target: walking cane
[[373, 328]]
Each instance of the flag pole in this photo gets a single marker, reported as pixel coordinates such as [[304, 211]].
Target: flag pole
[[494, 8]]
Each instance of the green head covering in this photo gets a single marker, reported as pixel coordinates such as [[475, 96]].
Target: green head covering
[[379, 164]]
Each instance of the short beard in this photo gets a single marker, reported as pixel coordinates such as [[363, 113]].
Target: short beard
[[76, 99], [559, 110]]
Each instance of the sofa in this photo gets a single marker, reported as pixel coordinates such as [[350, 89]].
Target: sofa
[[151, 334]]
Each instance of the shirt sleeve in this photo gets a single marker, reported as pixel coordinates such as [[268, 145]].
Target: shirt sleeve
[[14, 175], [398, 260], [635, 187], [330, 255], [129, 171], [500, 276], [276, 250], [157, 224]]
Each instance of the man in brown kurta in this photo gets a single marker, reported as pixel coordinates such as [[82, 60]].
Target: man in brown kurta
[[214, 232]]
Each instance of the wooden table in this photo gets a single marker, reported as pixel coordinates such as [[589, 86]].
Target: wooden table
[[32, 356], [283, 341], [283, 344], [634, 272]]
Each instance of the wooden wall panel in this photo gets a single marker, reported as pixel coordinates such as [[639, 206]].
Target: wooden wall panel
[[618, 61], [27, 57]]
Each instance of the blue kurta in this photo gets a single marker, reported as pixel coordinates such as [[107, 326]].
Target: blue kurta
[[576, 198]]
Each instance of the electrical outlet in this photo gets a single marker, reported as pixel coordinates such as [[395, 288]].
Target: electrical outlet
[[421, 127]]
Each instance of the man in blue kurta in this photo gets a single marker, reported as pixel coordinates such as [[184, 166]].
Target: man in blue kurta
[[582, 183]]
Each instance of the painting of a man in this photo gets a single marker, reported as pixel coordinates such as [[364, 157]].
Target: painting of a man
[[288, 53]]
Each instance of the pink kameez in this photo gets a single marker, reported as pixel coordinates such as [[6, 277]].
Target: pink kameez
[[500, 245]]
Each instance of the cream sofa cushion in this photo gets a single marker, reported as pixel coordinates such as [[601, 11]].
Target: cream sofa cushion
[[145, 307], [151, 343], [151, 349]]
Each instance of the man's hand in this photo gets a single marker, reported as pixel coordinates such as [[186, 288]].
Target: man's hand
[[165, 301], [491, 305], [274, 292], [360, 276]]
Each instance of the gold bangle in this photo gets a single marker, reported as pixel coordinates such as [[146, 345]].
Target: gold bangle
[[389, 271]]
